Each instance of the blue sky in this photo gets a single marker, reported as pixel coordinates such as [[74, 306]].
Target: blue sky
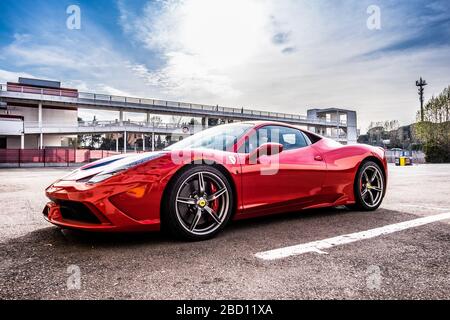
[[284, 55]]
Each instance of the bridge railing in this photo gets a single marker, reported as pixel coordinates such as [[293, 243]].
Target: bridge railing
[[155, 125], [232, 112]]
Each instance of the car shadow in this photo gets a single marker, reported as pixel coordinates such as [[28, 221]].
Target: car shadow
[[287, 217], [53, 236], [28, 259]]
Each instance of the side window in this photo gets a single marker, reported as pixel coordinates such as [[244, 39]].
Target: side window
[[290, 138], [308, 140]]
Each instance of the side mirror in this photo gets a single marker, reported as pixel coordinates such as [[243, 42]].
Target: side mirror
[[266, 149]]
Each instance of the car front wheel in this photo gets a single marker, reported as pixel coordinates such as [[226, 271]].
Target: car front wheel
[[198, 204]]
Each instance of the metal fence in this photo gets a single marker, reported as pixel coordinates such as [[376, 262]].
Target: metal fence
[[50, 157], [416, 156], [72, 157]]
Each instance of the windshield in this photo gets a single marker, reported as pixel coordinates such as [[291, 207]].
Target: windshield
[[218, 138]]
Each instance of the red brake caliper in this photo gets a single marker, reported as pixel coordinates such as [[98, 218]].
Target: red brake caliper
[[215, 203]]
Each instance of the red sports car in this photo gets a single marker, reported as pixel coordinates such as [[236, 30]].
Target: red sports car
[[234, 171]]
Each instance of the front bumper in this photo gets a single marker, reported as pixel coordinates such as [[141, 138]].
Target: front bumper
[[53, 213], [77, 205]]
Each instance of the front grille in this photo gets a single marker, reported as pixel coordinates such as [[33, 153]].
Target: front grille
[[76, 211]]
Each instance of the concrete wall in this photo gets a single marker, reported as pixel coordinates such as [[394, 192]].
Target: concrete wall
[[60, 116], [31, 142], [29, 114], [52, 115], [11, 126], [335, 114]]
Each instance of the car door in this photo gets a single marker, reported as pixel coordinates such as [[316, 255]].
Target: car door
[[289, 180]]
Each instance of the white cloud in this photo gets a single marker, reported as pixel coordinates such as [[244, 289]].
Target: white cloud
[[87, 61], [287, 56], [9, 76], [275, 55]]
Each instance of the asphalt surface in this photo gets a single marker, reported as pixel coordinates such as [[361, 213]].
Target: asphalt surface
[[39, 261]]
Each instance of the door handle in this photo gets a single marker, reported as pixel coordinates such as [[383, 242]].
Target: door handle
[[318, 158]]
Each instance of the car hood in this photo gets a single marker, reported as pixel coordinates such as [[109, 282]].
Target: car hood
[[111, 164]]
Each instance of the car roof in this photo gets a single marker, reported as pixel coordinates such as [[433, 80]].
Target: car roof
[[263, 122]]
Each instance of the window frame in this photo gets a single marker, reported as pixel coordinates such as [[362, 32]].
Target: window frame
[[308, 141]]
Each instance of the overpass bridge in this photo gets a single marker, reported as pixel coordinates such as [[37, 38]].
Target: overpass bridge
[[16, 96], [85, 100]]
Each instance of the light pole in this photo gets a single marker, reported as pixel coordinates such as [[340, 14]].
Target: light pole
[[421, 83]]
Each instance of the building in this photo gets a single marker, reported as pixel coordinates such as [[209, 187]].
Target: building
[[40, 113], [401, 138], [345, 130]]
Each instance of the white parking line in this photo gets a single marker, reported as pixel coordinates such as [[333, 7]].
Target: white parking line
[[422, 206], [318, 246]]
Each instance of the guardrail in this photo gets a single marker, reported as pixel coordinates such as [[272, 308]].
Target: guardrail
[[230, 111], [156, 125], [191, 106]]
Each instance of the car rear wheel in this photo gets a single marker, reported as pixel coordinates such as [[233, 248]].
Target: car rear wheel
[[369, 186], [198, 204]]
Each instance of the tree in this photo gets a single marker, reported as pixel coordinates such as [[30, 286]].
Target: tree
[[92, 141], [108, 143], [82, 140], [168, 139], [159, 144], [387, 125], [434, 131], [176, 119], [95, 141], [156, 119], [391, 125], [194, 121]]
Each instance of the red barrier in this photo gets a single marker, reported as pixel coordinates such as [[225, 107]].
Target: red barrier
[[30, 155], [51, 156]]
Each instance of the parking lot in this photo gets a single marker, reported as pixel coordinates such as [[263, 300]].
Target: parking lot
[[37, 260]]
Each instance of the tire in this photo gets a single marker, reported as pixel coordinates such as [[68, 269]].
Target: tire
[[195, 210], [369, 187]]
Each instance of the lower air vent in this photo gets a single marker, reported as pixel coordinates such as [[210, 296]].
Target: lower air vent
[[77, 211]]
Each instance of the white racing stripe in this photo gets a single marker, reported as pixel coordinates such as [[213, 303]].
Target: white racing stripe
[[318, 246]]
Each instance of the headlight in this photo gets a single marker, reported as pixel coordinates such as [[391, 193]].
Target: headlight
[[103, 176], [122, 167]]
